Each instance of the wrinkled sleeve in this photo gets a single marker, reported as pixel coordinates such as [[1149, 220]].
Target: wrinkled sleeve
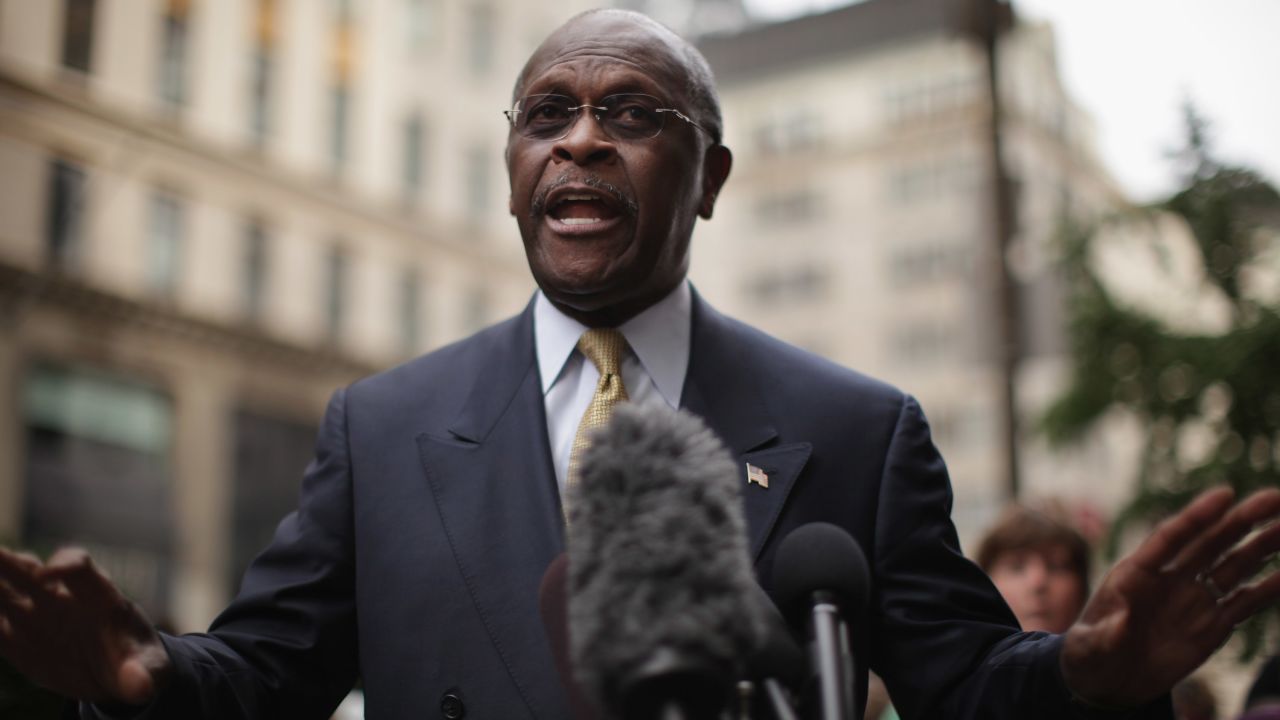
[[946, 644]]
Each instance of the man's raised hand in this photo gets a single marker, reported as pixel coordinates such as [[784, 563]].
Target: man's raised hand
[[1163, 610], [66, 627]]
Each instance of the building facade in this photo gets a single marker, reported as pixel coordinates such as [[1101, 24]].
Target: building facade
[[213, 213]]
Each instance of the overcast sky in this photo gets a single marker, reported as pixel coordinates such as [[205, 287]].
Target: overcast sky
[[1130, 64]]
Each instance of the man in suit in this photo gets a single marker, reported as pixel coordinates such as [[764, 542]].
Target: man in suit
[[432, 506]]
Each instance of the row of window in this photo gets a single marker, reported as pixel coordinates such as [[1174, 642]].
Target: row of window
[[172, 75], [165, 243]]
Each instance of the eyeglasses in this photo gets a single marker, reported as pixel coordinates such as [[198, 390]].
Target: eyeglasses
[[627, 116]]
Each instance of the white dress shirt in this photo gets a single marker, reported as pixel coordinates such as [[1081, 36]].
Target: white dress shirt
[[653, 369]]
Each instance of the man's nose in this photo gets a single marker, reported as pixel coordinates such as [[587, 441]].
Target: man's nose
[[586, 142]]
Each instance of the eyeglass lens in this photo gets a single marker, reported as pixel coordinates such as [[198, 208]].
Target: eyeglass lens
[[623, 117]]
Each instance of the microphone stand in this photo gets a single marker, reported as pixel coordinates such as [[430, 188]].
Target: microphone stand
[[830, 643]]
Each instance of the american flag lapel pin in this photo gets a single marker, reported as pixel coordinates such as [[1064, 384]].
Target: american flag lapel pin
[[757, 476]]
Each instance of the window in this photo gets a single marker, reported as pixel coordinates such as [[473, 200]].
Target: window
[[800, 206], [786, 285], [410, 311], [172, 80], [64, 233], [480, 40], [335, 292], [164, 247], [478, 179], [413, 154], [255, 271], [77, 34], [96, 472], [913, 266], [338, 120], [261, 72], [419, 24]]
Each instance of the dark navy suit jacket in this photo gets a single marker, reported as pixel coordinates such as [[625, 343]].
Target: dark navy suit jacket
[[431, 510]]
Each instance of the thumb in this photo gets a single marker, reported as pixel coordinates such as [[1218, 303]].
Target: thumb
[[134, 682]]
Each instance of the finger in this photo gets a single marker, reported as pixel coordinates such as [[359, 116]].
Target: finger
[[19, 570], [134, 682], [1241, 563], [73, 568], [1172, 535], [1249, 599], [12, 601], [1205, 551]]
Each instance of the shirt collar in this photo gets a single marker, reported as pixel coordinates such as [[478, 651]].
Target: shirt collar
[[659, 337]]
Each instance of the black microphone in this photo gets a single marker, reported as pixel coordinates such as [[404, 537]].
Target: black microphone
[[820, 577], [659, 570], [777, 664], [553, 606]]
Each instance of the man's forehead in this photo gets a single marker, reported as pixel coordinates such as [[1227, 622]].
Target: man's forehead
[[619, 43]]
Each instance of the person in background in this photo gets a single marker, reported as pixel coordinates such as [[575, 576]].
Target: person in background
[[1040, 564]]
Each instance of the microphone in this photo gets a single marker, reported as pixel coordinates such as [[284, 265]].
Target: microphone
[[553, 606], [777, 664], [821, 575], [660, 576]]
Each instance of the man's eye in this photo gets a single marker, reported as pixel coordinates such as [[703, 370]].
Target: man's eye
[[633, 114], [547, 112]]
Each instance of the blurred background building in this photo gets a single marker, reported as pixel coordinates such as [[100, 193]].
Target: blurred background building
[[213, 213]]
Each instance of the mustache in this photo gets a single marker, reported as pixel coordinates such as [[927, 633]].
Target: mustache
[[625, 201]]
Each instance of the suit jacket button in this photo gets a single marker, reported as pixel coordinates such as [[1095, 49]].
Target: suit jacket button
[[451, 707]]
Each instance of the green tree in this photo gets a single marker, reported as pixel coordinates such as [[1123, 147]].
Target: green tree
[[1208, 402]]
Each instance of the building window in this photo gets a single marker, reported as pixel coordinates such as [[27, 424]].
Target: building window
[[339, 111], [77, 34], [799, 206], [65, 226], [261, 71], [913, 266], [410, 311], [480, 38], [414, 158], [173, 54], [788, 285], [478, 179], [336, 270], [164, 247], [268, 452], [96, 473], [419, 24], [254, 276]]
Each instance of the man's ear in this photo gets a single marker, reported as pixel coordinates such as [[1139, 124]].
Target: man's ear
[[715, 170]]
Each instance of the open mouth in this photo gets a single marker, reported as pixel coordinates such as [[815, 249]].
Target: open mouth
[[582, 209]]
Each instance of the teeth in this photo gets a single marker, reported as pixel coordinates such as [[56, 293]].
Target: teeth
[[567, 198], [580, 221]]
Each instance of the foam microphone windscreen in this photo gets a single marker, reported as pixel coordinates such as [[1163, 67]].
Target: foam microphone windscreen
[[658, 555], [820, 557]]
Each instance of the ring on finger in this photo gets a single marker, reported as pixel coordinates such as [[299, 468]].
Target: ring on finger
[[1205, 580]]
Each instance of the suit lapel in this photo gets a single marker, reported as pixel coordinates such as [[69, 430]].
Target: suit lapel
[[722, 389], [495, 489]]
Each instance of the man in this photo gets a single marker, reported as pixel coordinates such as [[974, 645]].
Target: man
[[1040, 565], [432, 506]]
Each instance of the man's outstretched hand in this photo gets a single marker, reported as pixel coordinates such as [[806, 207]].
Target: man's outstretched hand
[[1162, 611], [66, 627]]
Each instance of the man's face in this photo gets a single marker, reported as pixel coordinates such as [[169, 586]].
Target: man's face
[[1041, 587], [606, 222]]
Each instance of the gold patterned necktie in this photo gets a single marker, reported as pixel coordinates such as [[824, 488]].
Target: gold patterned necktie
[[604, 347]]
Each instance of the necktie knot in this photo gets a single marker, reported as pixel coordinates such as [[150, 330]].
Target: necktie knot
[[604, 347]]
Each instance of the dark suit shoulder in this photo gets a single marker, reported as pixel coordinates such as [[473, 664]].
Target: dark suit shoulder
[[792, 376]]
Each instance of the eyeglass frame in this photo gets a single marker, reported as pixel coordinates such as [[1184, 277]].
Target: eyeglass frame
[[514, 111]]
